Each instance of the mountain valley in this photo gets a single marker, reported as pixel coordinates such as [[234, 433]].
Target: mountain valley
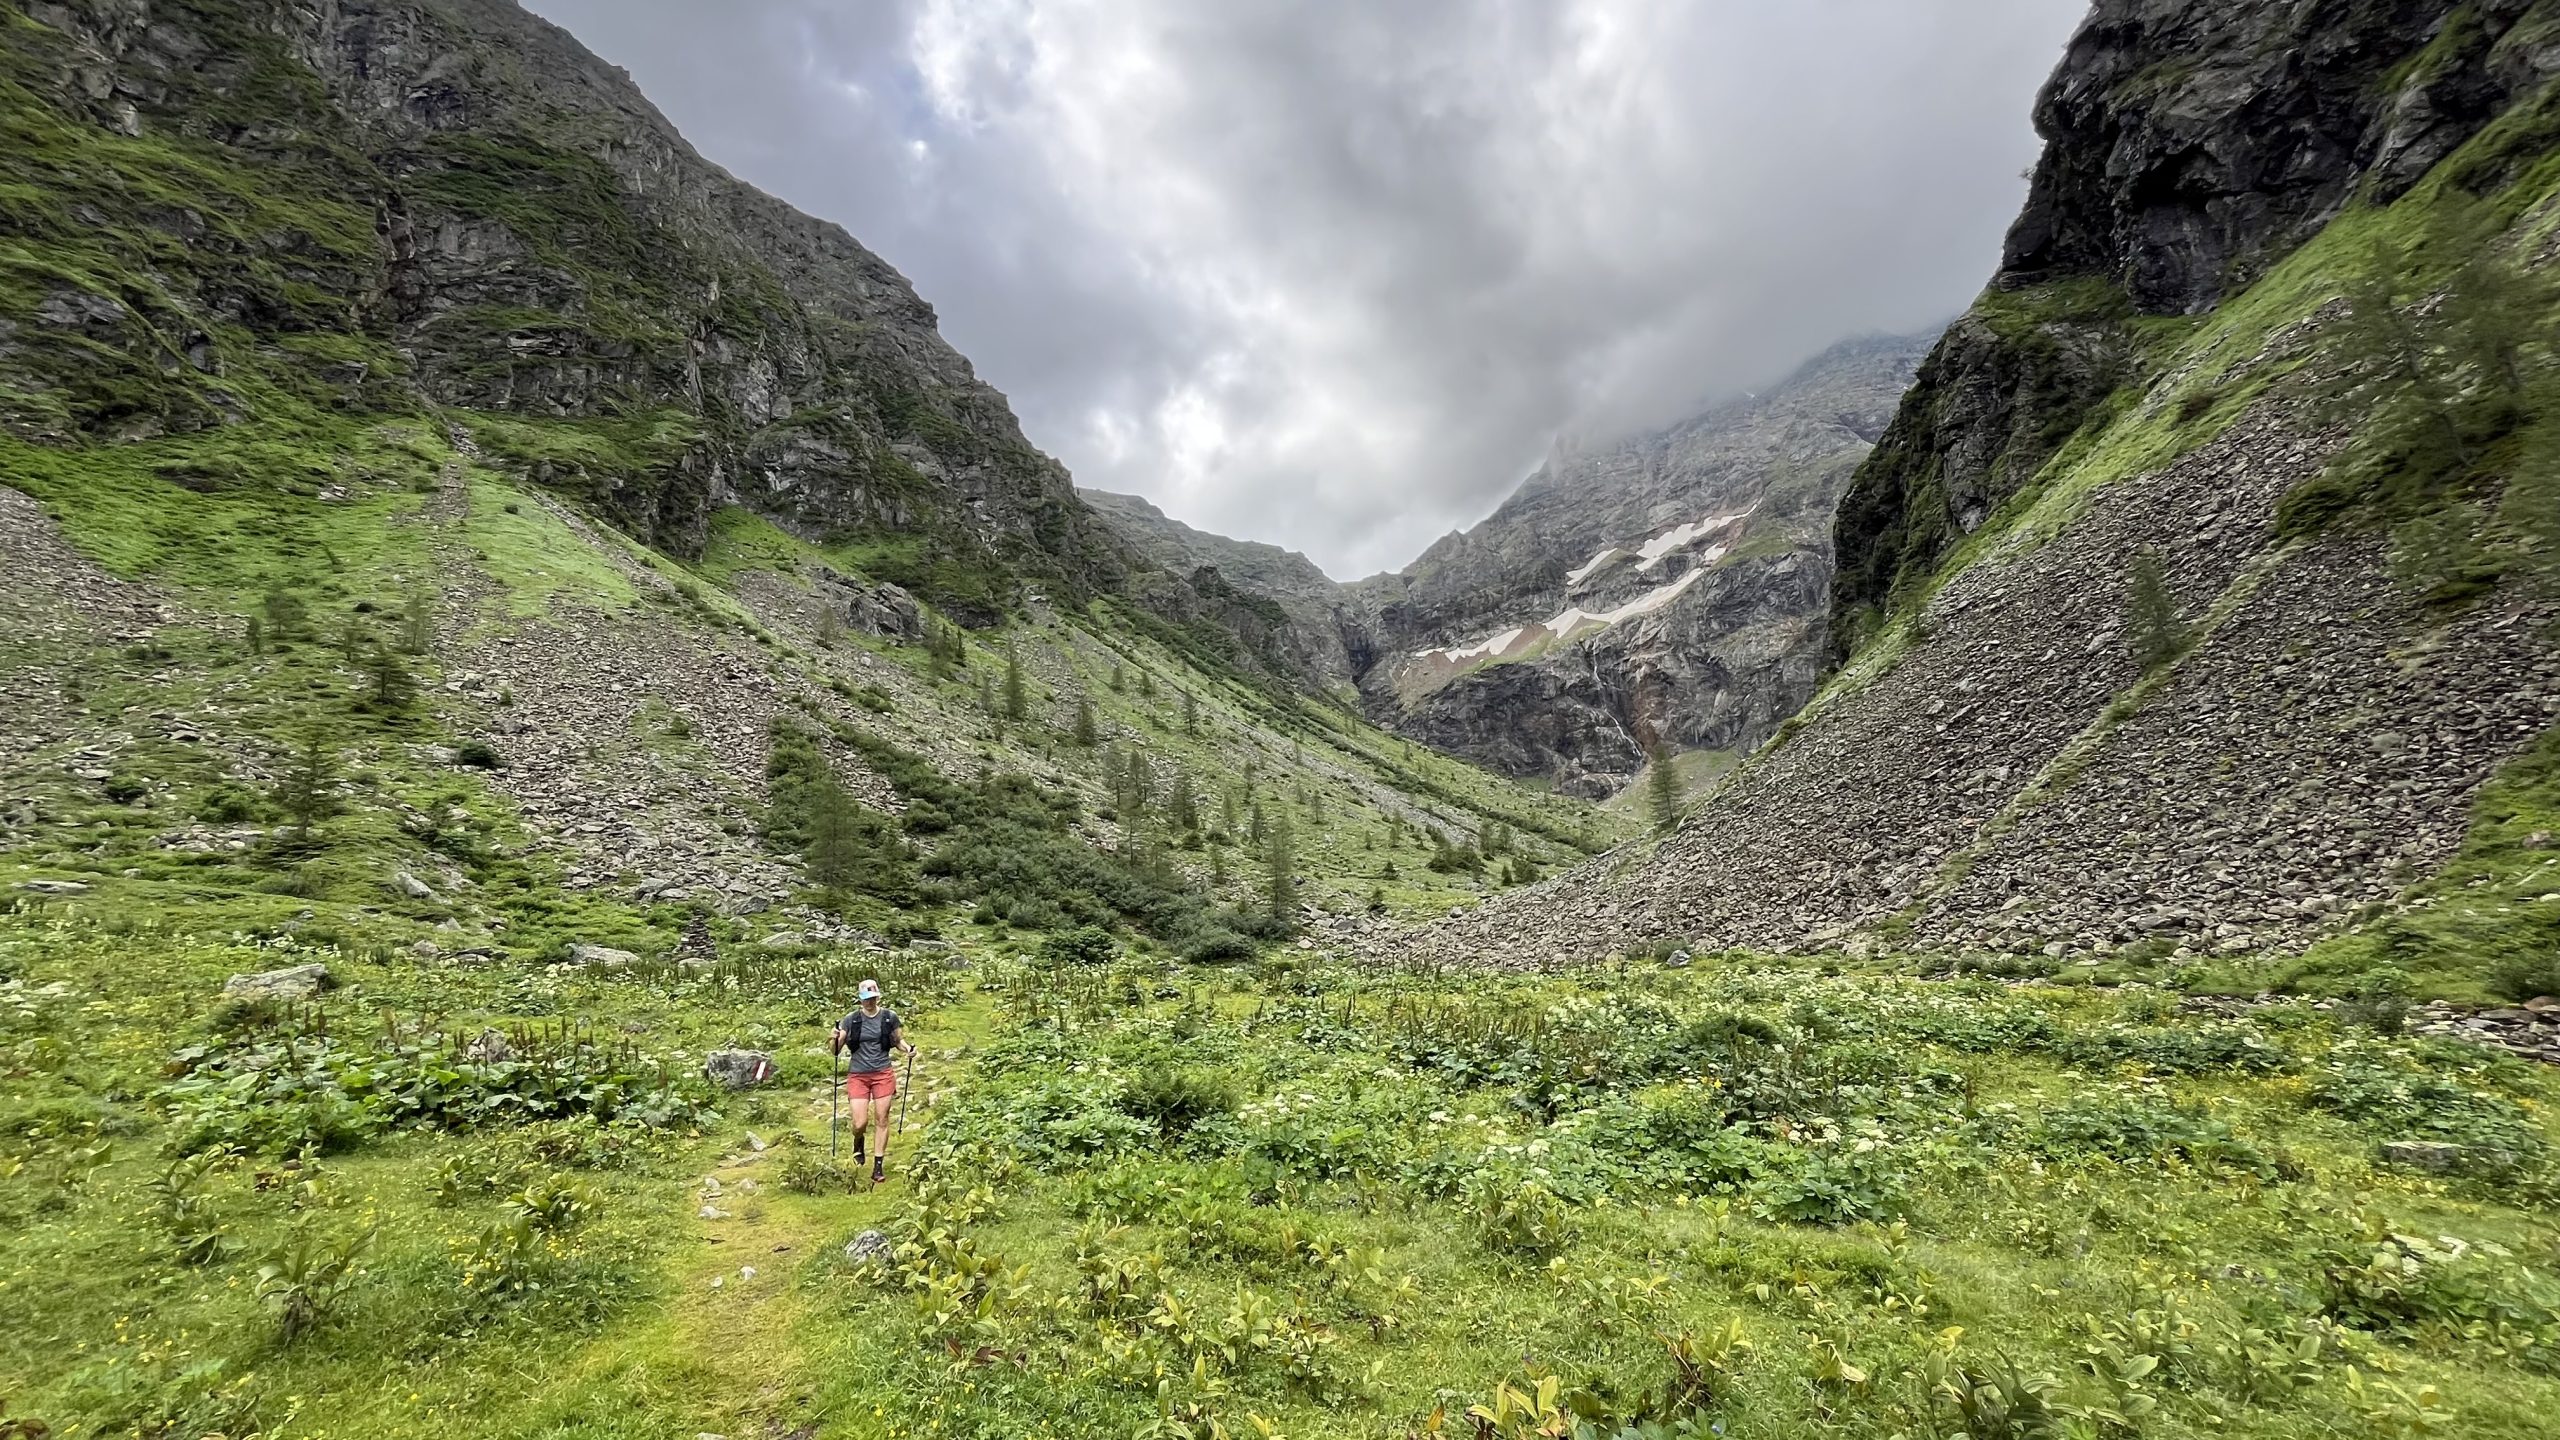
[[2002, 886]]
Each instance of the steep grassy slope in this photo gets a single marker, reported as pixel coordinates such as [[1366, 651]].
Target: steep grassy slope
[[237, 230]]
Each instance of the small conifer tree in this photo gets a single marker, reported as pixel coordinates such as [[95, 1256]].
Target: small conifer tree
[[287, 619], [306, 792], [1017, 701], [1280, 870], [417, 624], [1084, 731], [1662, 788], [2151, 615], [389, 686]]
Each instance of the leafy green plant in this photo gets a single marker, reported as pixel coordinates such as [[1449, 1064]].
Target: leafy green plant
[[1175, 1099], [1833, 1185], [307, 1274], [1517, 1216], [184, 1212]]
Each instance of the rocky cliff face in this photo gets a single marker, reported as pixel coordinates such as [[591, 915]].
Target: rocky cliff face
[[2188, 147], [1665, 589], [255, 211], [1996, 774], [1285, 609]]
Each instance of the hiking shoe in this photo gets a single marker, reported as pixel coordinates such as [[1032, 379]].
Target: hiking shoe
[[879, 1171]]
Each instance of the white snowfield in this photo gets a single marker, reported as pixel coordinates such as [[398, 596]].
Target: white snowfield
[[1654, 551], [1566, 624], [1592, 565]]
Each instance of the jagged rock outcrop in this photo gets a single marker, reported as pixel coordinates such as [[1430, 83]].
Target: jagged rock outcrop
[[254, 208], [1668, 588], [1284, 609], [2189, 145], [1665, 588], [2000, 776]]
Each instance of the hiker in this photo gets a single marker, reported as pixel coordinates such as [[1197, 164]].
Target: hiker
[[866, 1037]]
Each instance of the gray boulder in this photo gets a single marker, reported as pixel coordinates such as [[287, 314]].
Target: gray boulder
[[2432, 1156], [738, 1069], [55, 887], [603, 956], [299, 982], [411, 886], [868, 1248]]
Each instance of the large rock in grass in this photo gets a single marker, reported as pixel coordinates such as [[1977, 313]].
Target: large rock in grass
[[738, 1069], [300, 982], [2435, 1157], [603, 957]]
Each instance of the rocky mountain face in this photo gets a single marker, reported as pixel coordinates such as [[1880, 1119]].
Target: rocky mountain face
[[256, 211], [2188, 148], [1283, 609], [1667, 588], [1996, 771]]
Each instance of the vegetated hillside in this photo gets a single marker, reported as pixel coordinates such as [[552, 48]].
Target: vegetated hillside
[[1275, 601], [238, 230], [2205, 579]]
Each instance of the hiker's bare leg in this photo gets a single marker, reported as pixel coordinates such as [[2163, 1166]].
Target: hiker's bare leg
[[878, 1120]]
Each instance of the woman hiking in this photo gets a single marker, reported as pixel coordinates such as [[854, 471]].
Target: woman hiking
[[866, 1037]]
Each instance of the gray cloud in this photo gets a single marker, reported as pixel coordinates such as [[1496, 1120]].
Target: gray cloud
[[1336, 273]]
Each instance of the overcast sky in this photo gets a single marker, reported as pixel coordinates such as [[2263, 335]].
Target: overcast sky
[[1337, 273]]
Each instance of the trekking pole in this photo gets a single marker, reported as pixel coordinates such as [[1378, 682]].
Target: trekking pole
[[835, 1088], [902, 1092]]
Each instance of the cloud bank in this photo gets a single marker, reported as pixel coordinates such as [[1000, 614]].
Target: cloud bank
[[1337, 273]]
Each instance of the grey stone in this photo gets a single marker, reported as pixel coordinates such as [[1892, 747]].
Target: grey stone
[[738, 1069], [64, 888], [298, 982], [411, 886], [603, 957], [2433, 1156], [871, 1247]]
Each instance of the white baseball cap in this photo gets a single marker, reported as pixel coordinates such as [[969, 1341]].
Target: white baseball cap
[[870, 990]]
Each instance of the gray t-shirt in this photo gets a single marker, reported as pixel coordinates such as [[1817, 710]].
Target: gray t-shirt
[[868, 1039]]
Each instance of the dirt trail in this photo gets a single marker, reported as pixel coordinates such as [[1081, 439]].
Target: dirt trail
[[729, 1341]]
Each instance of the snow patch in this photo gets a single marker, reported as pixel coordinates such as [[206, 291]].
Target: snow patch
[[1592, 565], [1566, 624], [1654, 551], [1480, 650], [1681, 537]]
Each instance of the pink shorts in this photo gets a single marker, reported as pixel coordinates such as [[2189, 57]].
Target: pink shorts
[[871, 1084]]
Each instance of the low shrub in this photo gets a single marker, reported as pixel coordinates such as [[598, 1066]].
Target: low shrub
[[479, 755]]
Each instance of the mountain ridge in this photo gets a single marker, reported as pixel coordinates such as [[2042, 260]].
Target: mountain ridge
[[1649, 592]]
